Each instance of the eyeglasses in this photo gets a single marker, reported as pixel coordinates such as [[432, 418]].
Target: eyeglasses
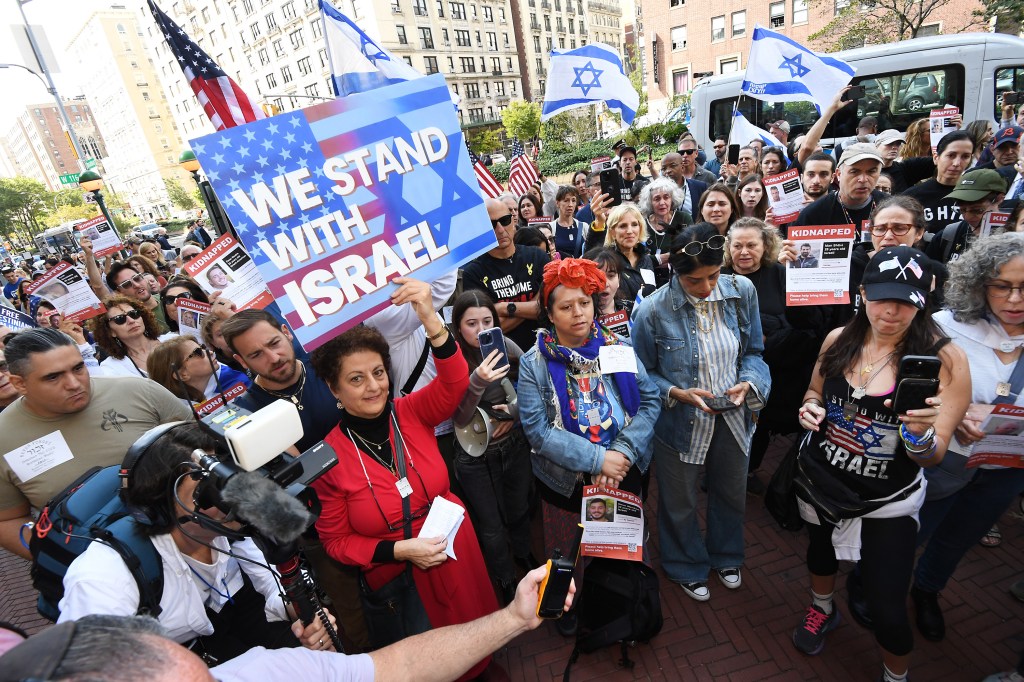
[[190, 256], [171, 298], [719, 146], [129, 283], [687, 152], [695, 248], [123, 317], [199, 352], [504, 221], [898, 229], [1003, 290]]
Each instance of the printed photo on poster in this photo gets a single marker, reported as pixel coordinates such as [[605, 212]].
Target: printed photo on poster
[[69, 292], [941, 123], [225, 266], [192, 315], [613, 524], [785, 196], [105, 239], [820, 275]]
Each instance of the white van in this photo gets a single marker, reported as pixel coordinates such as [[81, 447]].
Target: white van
[[968, 70]]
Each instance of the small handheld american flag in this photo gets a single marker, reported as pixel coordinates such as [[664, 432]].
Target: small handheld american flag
[[523, 173], [490, 186]]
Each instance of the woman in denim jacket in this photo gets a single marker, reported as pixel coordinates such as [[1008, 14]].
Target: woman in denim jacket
[[585, 428], [700, 337]]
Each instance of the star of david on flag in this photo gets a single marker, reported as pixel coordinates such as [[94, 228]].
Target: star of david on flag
[[779, 69], [585, 75], [860, 435]]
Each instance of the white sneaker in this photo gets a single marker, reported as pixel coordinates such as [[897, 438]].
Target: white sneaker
[[696, 591], [730, 577]]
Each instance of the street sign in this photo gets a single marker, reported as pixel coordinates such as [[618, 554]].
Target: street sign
[[90, 164], [69, 179]]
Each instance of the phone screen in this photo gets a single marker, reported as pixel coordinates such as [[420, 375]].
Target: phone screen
[[734, 154]]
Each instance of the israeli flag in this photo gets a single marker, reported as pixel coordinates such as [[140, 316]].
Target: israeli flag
[[364, 64], [588, 74], [779, 69], [743, 132]]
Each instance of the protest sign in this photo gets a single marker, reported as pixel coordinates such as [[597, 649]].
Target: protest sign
[[601, 163], [225, 266], [540, 220], [785, 196], [191, 316], [940, 122], [67, 290], [15, 320], [821, 273], [613, 524], [994, 222], [335, 201], [229, 393], [1003, 444], [105, 239], [618, 322]]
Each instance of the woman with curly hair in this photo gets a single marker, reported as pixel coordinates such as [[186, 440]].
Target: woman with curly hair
[[151, 250], [127, 333], [145, 266], [918, 140], [773, 161]]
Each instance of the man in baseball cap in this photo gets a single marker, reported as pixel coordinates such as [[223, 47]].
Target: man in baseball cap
[[780, 129], [905, 173], [976, 193], [1005, 145], [898, 273]]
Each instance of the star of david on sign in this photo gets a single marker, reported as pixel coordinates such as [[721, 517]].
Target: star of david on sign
[[371, 51], [594, 80], [795, 66]]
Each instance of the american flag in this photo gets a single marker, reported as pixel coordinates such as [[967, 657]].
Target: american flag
[[491, 187], [224, 102], [523, 173], [861, 436]]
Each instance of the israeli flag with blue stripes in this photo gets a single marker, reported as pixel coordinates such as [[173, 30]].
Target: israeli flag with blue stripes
[[585, 75], [743, 132], [358, 63], [779, 69]]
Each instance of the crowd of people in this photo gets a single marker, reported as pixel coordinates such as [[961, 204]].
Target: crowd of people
[[686, 268]]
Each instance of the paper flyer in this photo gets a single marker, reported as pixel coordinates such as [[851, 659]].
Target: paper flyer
[[613, 524], [213, 404], [940, 122], [785, 195], [540, 220], [820, 275], [15, 320], [225, 266], [1003, 444], [105, 239], [601, 163], [618, 322], [191, 316], [69, 292], [994, 222]]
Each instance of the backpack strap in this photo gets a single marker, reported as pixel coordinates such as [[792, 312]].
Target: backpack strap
[[141, 558], [949, 239], [417, 371]]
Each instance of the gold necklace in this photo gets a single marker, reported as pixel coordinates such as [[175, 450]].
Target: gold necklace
[[705, 321], [870, 367], [294, 395]]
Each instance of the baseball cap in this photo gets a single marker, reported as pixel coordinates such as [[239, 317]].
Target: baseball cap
[[898, 273], [781, 125], [976, 185], [1007, 134], [889, 136], [858, 152], [7, 269], [626, 148]]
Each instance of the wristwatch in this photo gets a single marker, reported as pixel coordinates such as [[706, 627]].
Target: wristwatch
[[510, 309]]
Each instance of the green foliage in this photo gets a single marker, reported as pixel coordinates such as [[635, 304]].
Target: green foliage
[[178, 195], [500, 171], [484, 140], [569, 130], [521, 119], [1009, 15], [23, 202], [879, 21]]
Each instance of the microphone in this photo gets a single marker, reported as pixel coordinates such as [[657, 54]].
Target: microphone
[[266, 506]]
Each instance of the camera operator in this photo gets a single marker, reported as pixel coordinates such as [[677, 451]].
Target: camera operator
[[218, 605]]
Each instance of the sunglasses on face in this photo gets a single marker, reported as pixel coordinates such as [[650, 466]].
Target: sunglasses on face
[[504, 221], [199, 352], [694, 248], [169, 299], [123, 317], [190, 256], [129, 283], [687, 152]]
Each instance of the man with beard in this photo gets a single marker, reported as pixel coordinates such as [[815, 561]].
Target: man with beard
[[632, 181]]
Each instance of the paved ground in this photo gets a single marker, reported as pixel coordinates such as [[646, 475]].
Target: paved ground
[[744, 635]]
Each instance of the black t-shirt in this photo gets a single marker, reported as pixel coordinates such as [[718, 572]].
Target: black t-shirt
[[829, 211], [319, 413], [909, 172], [519, 278], [938, 211]]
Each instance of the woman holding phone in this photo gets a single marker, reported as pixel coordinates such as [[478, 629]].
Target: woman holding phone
[[864, 458]]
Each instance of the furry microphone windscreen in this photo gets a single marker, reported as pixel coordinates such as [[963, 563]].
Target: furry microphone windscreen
[[266, 506]]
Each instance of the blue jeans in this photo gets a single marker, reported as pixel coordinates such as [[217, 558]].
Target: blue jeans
[[960, 521], [497, 492], [686, 555]]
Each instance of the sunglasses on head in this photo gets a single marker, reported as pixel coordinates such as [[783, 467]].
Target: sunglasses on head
[[171, 298], [199, 352], [129, 283], [504, 221], [123, 317], [694, 248]]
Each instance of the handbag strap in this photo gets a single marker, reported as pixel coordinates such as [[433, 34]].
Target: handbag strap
[[1016, 384], [399, 448]]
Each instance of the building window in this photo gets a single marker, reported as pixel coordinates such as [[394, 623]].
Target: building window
[[408, 60], [841, 5], [680, 82], [739, 23], [678, 36], [426, 39], [271, 22], [492, 41], [929, 30], [304, 66], [468, 64], [440, 8], [402, 39], [430, 64], [458, 10], [278, 48], [264, 57], [676, 3], [287, 10], [419, 8], [271, 80], [729, 65], [536, 43], [499, 88], [286, 74], [313, 90], [488, 14], [717, 29], [472, 91], [777, 14], [799, 11], [296, 38], [462, 38], [317, 28], [255, 31]]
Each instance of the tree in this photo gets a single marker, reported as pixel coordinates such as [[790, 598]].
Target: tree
[[877, 21], [1008, 15], [569, 130], [483, 140], [522, 119], [179, 196], [22, 206]]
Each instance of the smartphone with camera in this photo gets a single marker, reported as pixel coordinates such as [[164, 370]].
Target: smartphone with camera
[[611, 185], [555, 586], [720, 404], [734, 154], [856, 92], [916, 381], [490, 340]]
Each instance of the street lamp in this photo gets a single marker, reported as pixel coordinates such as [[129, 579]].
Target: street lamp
[[190, 163], [91, 181]]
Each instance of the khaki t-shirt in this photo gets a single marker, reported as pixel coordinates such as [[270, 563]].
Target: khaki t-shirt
[[121, 410]]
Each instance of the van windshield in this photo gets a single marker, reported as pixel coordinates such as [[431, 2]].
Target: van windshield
[[896, 99]]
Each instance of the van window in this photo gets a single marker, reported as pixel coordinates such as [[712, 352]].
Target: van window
[[1008, 79], [916, 93]]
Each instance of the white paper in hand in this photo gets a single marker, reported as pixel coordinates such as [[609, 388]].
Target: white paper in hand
[[614, 359], [444, 520]]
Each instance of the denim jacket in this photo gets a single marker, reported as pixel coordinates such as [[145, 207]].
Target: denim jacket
[[561, 458], [664, 337]]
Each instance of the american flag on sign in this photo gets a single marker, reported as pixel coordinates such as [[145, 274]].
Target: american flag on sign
[[491, 187], [224, 102], [861, 436], [523, 173]]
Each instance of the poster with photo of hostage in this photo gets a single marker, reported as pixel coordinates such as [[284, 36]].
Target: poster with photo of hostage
[[785, 195], [940, 123], [69, 292], [105, 239], [191, 316], [613, 524], [1003, 444], [225, 266], [820, 275]]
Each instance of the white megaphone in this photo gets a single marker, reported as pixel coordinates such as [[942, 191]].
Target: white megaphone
[[475, 436]]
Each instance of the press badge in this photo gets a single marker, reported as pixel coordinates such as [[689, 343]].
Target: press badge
[[404, 489]]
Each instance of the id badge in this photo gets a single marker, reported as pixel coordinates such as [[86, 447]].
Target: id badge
[[593, 416], [1003, 389], [404, 489]]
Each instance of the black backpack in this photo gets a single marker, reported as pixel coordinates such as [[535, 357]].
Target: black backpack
[[620, 604], [90, 510]]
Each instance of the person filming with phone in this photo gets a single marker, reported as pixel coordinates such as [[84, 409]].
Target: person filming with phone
[[700, 338], [885, 397]]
